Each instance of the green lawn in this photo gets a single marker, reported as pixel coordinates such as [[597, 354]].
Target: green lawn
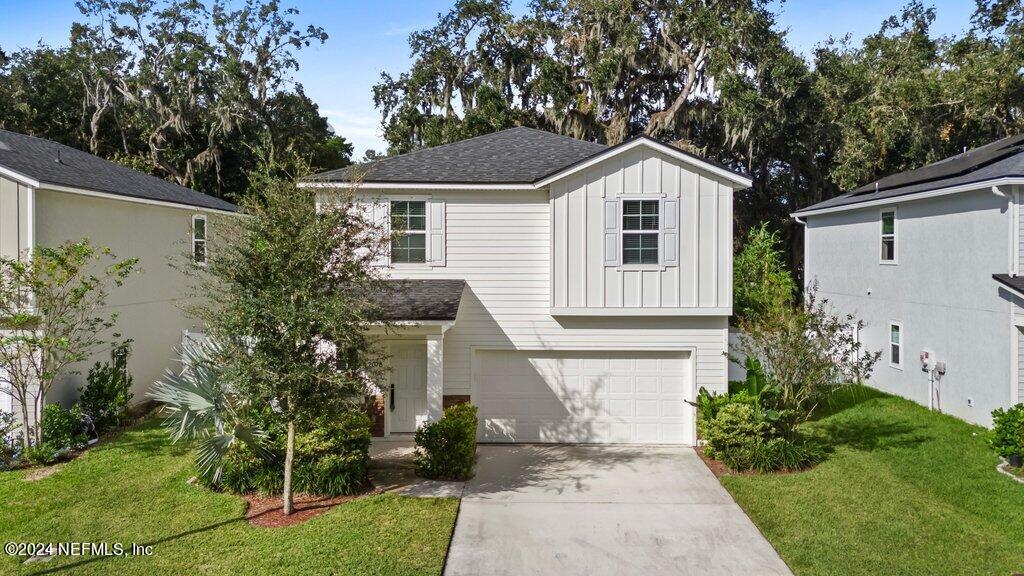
[[133, 490], [906, 491]]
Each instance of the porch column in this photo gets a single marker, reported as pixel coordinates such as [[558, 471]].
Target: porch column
[[435, 376]]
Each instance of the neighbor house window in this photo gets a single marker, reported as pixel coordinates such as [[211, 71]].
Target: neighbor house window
[[199, 239], [895, 345], [640, 229], [889, 236], [409, 226]]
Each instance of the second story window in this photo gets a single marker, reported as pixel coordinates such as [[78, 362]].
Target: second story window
[[888, 236], [640, 228], [199, 239], [409, 224]]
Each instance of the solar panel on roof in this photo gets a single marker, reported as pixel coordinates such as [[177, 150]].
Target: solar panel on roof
[[949, 167]]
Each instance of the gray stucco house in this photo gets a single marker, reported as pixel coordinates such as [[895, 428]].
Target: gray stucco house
[[51, 193], [931, 260]]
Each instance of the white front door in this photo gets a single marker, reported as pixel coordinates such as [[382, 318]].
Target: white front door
[[409, 377]]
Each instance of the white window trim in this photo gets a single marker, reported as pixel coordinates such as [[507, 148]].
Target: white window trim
[[205, 240], [657, 233], [426, 199], [895, 236], [900, 344]]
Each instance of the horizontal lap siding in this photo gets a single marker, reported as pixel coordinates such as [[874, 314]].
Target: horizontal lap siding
[[499, 242]]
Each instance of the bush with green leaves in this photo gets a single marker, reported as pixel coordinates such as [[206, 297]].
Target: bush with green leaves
[[750, 427], [43, 453], [1007, 436], [331, 459], [64, 428], [744, 437], [446, 448], [107, 392], [8, 442], [762, 281]]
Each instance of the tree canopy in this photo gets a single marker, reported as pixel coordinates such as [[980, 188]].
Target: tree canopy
[[719, 79], [198, 94]]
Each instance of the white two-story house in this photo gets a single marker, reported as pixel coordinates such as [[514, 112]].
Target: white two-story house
[[931, 260], [573, 292]]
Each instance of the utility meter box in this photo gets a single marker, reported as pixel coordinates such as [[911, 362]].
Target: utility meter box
[[927, 360]]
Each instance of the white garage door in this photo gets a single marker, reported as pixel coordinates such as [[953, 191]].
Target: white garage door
[[593, 397]]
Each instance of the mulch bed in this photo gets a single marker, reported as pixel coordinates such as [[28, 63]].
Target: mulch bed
[[268, 511], [718, 468]]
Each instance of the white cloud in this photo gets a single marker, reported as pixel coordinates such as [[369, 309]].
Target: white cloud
[[362, 129]]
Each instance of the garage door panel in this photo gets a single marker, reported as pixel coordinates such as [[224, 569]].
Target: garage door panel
[[593, 397]]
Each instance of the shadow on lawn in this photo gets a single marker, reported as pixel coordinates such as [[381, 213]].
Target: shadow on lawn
[[861, 430], [153, 543]]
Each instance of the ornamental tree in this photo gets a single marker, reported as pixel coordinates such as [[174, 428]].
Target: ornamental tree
[[52, 316], [289, 297]]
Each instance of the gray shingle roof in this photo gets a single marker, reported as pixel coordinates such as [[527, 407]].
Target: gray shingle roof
[[37, 159], [513, 156], [1000, 159], [1014, 282], [427, 299]]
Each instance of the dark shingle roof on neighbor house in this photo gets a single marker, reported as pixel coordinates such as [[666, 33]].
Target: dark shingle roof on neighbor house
[[425, 299], [1000, 159], [48, 162]]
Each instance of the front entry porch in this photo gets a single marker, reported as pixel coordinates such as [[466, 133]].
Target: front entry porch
[[413, 394], [419, 312]]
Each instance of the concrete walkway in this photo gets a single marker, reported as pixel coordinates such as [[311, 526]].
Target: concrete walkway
[[594, 511], [391, 470]]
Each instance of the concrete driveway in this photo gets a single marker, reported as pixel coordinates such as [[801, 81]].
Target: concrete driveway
[[596, 510]]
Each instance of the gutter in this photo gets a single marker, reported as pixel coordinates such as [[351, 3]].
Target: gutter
[[995, 184]]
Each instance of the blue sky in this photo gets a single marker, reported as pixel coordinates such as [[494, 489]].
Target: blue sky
[[367, 37]]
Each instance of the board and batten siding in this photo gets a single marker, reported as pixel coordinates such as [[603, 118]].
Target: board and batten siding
[[499, 242], [700, 278], [14, 218]]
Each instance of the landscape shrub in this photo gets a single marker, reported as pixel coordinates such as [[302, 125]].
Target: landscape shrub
[[9, 445], [446, 449], [334, 457], [747, 428], [1007, 436], [331, 459], [43, 454], [734, 430], [63, 428], [106, 395]]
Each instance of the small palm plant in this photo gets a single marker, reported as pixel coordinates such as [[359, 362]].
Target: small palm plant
[[201, 404]]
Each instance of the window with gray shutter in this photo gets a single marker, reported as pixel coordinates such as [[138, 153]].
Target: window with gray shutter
[[409, 226]]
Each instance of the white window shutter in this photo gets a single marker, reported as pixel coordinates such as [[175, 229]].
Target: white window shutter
[[436, 223], [612, 222], [669, 218], [381, 214]]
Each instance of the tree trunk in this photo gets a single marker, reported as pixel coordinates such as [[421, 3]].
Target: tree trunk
[[24, 425], [39, 417], [289, 455]]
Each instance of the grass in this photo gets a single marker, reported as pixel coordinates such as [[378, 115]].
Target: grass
[[133, 490], [906, 491]]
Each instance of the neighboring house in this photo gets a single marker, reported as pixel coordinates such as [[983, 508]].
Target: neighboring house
[[574, 292], [930, 259], [51, 193]]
